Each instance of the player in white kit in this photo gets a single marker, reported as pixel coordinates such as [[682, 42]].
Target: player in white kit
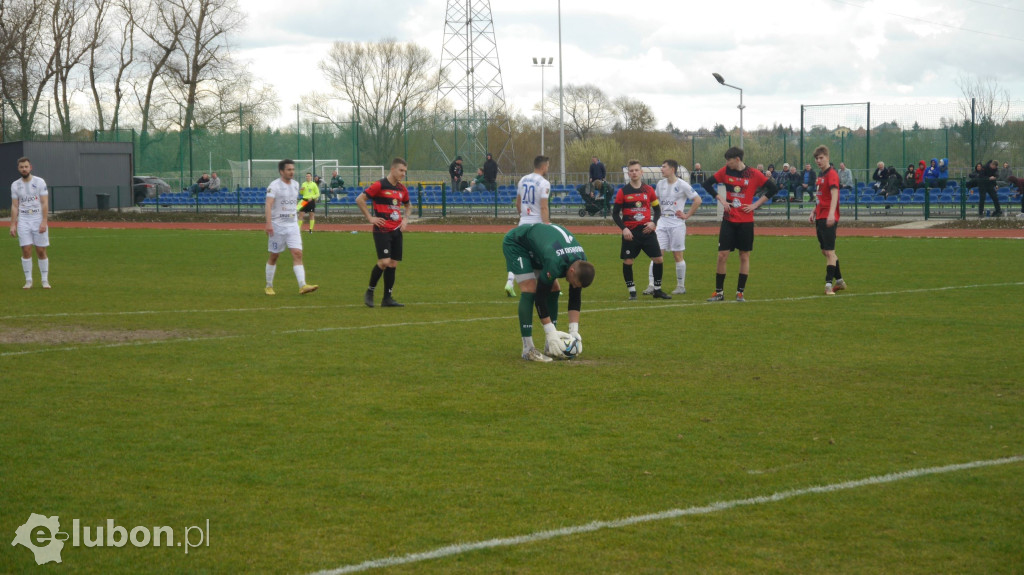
[[283, 228], [532, 203], [29, 221], [672, 195]]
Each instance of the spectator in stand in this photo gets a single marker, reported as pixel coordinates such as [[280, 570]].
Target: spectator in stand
[[597, 169], [1004, 175], [201, 185], [943, 172], [455, 171], [697, 176], [214, 183], [878, 178], [919, 175], [491, 173], [337, 184], [845, 177], [794, 181], [782, 180], [908, 176], [987, 187], [807, 183], [479, 183], [760, 168], [931, 174], [770, 171]]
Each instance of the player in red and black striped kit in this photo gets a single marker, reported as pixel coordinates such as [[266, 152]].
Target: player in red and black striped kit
[[826, 218], [387, 195], [742, 184], [636, 211]]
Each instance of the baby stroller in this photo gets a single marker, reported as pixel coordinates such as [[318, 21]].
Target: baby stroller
[[593, 202]]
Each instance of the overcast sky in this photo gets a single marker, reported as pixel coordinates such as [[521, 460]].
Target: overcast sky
[[782, 53]]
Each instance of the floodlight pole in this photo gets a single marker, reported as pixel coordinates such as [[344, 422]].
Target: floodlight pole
[[544, 63], [561, 97], [721, 81]]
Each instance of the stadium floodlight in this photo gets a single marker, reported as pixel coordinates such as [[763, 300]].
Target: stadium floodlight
[[544, 63], [721, 81]]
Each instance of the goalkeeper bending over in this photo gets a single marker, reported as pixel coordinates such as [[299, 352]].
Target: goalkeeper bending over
[[537, 255]]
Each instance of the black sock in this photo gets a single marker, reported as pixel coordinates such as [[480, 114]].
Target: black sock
[[741, 284], [659, 269], [627, 274], [375, 277], [389, 280], [719, 282], [830, 272], [839, 274]]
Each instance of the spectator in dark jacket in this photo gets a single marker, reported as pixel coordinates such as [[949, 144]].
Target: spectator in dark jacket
[[782, 178], [878, 178], [597, 169], [697, 176], [908, 176], [806, 184], [943, 172], [455, 171], [931, 174], [987, 187], [491, 173]]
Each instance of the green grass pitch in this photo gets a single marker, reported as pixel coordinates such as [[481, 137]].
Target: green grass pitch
[[157, 386]]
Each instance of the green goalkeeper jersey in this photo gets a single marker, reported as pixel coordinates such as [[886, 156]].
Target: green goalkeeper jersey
[[552, 249]]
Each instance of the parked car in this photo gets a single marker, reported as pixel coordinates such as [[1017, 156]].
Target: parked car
[[148, 187]]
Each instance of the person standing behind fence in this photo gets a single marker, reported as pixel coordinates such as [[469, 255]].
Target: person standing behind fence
[[30, 221], [491, 173], [455, 171], [987, 187], [597, 170]]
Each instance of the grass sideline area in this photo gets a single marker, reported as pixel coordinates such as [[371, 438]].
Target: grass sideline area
[[157, 385]]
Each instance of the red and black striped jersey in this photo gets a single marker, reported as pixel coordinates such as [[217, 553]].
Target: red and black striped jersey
[[740, 188], [636, 204], [388, 200]]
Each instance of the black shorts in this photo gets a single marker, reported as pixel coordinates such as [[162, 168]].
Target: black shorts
[[826, 234], [736, 236], [309, 207], [641, 242], [389, 245]]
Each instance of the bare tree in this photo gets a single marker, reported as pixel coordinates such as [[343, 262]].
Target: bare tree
[[634, 115], [587, 109], [28, 62], [202, 56], [380, 80], [238, 92], [70, 27], [991, 101], [111, 61]]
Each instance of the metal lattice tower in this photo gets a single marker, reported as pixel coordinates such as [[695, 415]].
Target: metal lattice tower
[[471, 83]]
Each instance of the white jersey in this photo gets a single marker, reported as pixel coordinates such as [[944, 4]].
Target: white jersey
[[286, 200], [533, 192], [672, 198], [29, 195]]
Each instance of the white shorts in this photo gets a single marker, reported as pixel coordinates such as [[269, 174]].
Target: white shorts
[[286, 236], [672, 239], [28, 233]]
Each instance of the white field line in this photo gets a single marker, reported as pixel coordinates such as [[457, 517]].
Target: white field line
[[715, 507], [628, 307]]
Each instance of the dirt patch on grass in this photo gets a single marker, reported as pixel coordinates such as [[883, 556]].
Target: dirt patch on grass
[[77, 334]]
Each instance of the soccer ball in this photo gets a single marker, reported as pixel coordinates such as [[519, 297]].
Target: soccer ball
[[562, 346]]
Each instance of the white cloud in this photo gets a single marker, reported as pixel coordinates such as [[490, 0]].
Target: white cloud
[[783, 54]]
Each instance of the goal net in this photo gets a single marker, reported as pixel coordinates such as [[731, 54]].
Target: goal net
[[258, 173]]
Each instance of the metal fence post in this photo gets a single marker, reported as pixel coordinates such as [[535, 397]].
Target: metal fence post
[[444, 200], [419, 198], [81, 198]]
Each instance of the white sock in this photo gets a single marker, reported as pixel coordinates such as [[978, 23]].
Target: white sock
[[300, 274], [681, 274], [527, 343], [26, 265], [271, 270], [650, 274], [511, 277], [44, 270]]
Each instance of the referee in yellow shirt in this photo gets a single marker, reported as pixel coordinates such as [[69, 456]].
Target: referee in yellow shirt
[[310, 193]]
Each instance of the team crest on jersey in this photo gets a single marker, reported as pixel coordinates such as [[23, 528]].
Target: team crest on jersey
[[737, 189], [394, 202], [638, 204]]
